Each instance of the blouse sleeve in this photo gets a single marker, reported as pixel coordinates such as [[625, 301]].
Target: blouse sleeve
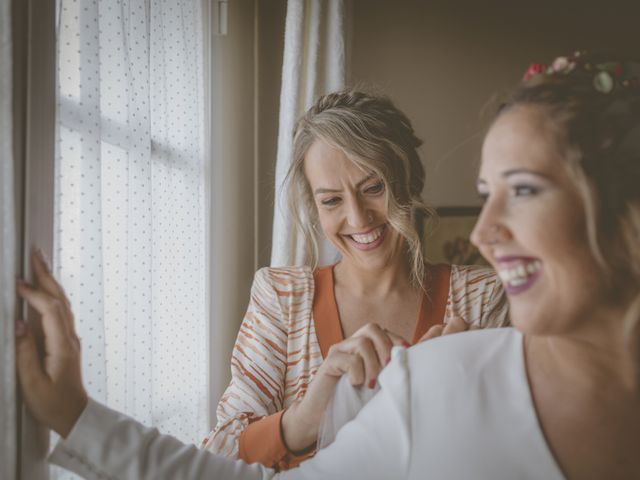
[[250, 409], [105, 444], [476, 294]]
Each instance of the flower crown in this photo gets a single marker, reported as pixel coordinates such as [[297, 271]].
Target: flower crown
[[607, 76]]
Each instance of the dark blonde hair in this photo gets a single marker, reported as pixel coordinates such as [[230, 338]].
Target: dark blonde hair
[[377, 137], [599, 136]]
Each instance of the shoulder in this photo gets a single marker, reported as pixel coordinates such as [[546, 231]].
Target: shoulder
[[286, 280], [474, 276], [466, 349], [476, 294], [450, 362]]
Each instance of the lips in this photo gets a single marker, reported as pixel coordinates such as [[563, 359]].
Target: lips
[[518, 274], [367, 240]]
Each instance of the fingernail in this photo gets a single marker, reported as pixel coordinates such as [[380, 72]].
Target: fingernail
[[43, 258], [372, 383], [20, 327], [386, 362], [406, 344]]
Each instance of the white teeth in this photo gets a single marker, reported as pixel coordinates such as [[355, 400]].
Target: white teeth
[[518, 274], [368, 237]]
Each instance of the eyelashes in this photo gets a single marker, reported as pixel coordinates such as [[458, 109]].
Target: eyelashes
[[521, 190], [524, 190], [372, 190], [376, 188]]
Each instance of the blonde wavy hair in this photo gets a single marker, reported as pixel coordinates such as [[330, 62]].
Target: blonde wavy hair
[[377, 137], [599, 136]]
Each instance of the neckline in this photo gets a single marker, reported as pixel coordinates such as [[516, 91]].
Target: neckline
[[541, 438], [326, 316]]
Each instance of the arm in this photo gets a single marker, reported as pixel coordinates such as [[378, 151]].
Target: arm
[[250, 410], [376, 445], [98, 443], [250, 414], [106, 444]]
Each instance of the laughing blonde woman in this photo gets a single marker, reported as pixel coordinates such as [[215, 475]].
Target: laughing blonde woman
[[357, 177]]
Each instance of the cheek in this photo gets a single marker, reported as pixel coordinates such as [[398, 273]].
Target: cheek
[[328, 222]]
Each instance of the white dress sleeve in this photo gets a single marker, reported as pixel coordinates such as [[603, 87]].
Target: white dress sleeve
[[105, 444]]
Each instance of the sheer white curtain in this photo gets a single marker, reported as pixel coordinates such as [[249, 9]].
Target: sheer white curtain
[[315, 63], [130, 219], [7, 254]]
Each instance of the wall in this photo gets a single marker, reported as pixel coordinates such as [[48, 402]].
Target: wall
[[441, 61], [244, 82]]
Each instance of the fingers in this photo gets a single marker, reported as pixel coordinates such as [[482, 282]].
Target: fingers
[[355, 357], [455, 325], [45, 280], [339, 363], [55, 326], [30, 369], [433, 332], [363, 355], [378, 339]]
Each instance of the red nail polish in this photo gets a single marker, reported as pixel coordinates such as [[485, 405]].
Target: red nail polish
[[406, 344], [372, 383]]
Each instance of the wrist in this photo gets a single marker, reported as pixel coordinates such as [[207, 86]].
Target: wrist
[[297, 429], [70, 416]]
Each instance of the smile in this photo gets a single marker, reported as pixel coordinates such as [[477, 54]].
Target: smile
[[518, 275], [368, 240]]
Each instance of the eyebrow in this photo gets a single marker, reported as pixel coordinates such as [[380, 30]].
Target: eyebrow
[[358, 185], [515, 171]]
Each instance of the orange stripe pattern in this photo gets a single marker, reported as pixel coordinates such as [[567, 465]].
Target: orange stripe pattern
[[277, 354]]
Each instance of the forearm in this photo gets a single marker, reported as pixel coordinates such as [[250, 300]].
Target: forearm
[[106, 444], [299, 428]]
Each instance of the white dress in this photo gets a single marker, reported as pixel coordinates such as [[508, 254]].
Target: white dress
[[456, 407]]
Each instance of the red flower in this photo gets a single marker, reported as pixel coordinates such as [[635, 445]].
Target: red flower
[[534, 69]]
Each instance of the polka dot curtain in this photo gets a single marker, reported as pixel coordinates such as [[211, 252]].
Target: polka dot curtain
[[130, 232]]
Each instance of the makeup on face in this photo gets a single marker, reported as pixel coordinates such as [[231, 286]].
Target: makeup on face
[[531, 228]]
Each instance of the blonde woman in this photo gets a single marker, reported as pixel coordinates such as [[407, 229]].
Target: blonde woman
[[357, 177]]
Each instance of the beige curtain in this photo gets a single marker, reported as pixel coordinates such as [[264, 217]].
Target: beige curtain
[[315, 63]]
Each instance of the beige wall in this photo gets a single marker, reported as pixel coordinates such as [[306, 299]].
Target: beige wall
[[244, 86], [441, 61]]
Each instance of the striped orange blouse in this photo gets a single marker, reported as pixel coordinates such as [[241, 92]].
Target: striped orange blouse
[[291, 321]]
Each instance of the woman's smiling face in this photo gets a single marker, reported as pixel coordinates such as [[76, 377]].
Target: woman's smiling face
[[532, 226], [352, 207]]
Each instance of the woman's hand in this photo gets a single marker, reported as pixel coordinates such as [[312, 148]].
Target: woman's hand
[[452, 325], [361, 357], [49, 363]]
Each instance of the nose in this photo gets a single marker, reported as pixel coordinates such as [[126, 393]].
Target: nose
[[490, 229], [358, 215]]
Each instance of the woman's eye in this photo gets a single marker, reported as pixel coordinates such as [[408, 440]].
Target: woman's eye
[[524, 190], [330, 202], [377, 188]]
